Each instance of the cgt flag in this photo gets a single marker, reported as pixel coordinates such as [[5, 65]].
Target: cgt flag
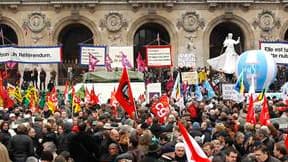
[[124, 94]]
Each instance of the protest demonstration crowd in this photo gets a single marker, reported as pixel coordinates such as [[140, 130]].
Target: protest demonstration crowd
[[185, 123]]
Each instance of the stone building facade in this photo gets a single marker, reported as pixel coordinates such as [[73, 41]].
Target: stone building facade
[[197, 27]]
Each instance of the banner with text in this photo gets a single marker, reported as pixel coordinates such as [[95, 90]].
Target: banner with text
[[278, 50], [97, 51], [190, 77], [158, 56], [31, 54], [186, 60], [121, 55], [229, 93]]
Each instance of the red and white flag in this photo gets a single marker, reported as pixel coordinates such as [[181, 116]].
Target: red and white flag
[[124, 94], [161, 108], [194, 152]]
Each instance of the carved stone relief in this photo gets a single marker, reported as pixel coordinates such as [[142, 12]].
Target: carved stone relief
[[190, 22], [36, 22], [267, 22], [113, 22]]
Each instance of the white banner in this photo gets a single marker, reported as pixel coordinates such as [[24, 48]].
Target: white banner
[[97, 51], [152, 90], [278, 50], [186, 60], [31, 54], [229, 93], [158, 56], [121, 54]]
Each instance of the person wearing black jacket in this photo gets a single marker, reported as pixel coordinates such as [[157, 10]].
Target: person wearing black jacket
[[82, 146], [21, 145]]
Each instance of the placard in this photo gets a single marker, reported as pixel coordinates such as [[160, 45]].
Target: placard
[[186, 60], [278, 50], [229, 93], [153, 89], [97, 51], [37, 54], [158, 56], [120, 55], [190, 77]]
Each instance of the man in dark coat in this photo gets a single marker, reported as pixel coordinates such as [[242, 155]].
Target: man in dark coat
[[21, 145], [81, 146]]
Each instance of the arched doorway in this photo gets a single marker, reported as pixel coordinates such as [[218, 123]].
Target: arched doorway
[[9, 37], [151, 34], [219, 34], [71, 37]]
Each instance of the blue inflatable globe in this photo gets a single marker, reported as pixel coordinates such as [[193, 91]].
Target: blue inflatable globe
[[257, 64]]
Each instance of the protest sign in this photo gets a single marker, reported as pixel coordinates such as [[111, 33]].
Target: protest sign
[[97, 51]]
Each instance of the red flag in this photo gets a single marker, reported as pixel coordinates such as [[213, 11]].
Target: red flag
[[286, 141], [33, 106], [264, 115], [192, 110], [192, 149], [251, 113], [93, 97], [124, 94], [7, 101], [161, 108]]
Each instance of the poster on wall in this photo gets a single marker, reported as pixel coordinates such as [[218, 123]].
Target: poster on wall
[[37, 54], [121, 56], [97, 51], [158, 56], [278, 50]]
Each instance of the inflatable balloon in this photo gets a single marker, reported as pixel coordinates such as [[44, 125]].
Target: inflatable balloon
[[257, 64]]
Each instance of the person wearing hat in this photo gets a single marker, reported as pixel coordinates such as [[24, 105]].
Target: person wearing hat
[[153, 153], [178, 155]]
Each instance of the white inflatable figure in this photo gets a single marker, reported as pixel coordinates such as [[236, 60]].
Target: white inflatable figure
[[227, 61]]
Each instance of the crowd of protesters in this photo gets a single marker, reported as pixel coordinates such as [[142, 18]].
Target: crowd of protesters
[[98, 134]]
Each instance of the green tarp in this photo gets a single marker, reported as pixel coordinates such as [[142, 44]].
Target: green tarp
[[104, 77]]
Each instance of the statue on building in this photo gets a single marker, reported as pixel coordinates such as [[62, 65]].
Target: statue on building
[[226, 62]]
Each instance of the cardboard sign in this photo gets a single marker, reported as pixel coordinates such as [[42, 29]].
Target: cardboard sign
[[190, 77], [229, 93]]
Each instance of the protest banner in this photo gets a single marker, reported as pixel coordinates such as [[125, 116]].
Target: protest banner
[[98, 52], [152, 90], [35, 54], [187, 60], [278, 50], [229, 93], [121, 55], [190, 77], [158, 56]]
